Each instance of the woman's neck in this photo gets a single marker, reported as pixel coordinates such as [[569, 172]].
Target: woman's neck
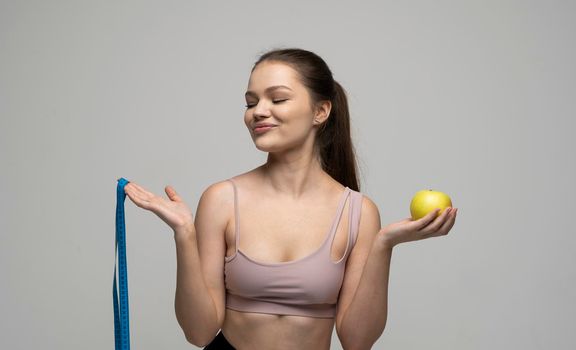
[[294, 177]]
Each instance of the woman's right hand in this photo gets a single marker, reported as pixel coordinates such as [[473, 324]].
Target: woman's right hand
[[172, 211]]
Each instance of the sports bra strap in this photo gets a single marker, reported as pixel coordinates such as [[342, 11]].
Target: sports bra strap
[[354, 220], [236, 219], [336, 220]]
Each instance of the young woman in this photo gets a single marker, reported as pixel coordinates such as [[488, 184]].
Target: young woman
[[279, 255]]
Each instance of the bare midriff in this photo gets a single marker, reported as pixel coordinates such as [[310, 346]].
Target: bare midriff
[[249, 330]]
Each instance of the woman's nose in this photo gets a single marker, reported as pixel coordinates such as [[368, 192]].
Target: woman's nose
[[261, 109]]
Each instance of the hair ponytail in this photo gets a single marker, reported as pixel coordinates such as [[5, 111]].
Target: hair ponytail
[[335, 142]]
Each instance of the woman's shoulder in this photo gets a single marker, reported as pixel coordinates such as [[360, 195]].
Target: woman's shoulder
[[221, 190], [369, 212]]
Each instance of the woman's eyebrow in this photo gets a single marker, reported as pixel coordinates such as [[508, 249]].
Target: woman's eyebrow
[[268, 89]]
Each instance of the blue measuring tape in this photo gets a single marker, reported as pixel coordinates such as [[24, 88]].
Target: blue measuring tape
[[121, 312]]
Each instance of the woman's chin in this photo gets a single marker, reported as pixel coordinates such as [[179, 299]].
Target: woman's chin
[[264, 148]]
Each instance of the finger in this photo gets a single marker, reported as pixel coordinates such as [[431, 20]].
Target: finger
[[138, 195], [136, 187], [446, 226], [426, 219], [437, 223], [142, 192], [140, 200], [171, 192]]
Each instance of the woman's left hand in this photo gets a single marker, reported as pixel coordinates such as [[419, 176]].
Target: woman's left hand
[[409, 230]]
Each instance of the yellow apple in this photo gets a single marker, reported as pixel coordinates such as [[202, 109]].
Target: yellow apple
[[426, 201]]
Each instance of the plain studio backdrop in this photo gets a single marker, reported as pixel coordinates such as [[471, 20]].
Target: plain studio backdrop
[[472, 98]]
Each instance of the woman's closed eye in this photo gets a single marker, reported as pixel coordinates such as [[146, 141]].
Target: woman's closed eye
[[275, 101]]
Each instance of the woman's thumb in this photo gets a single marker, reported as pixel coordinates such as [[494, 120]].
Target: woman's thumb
[[172, 194]]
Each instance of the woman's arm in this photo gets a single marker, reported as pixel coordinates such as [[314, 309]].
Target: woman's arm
[[200, 250], [365, 310], [362, 306], [365, 318]]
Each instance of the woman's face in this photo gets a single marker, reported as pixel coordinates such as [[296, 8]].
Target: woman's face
[[276, 97]]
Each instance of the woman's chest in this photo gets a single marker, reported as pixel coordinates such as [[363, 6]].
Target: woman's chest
[[273, 234]]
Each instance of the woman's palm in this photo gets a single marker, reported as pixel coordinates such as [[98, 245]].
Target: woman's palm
[[173, 211]]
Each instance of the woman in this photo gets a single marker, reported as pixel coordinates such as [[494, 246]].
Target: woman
[[279, 255]]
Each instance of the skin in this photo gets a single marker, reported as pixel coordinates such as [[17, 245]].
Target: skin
[[286, 206]]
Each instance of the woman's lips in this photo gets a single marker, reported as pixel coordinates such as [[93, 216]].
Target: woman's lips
[[262, 129]]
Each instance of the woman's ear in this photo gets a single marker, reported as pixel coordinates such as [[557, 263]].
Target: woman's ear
[[322, 112]]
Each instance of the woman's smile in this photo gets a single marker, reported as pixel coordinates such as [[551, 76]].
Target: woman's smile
[[263, 129]]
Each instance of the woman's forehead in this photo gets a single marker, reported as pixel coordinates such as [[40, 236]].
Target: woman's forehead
[[267, 74]]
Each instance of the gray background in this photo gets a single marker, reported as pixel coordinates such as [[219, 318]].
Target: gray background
[[473, 98]]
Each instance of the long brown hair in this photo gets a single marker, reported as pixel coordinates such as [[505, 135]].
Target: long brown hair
[[333, 139]]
